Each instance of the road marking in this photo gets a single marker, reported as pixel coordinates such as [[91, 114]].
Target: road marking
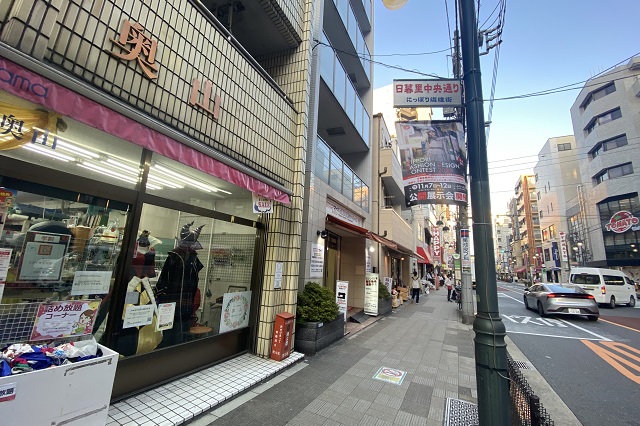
[[550, 335], [529, 320], [506, 295], [620, 325], [615, 360], [586, 331]]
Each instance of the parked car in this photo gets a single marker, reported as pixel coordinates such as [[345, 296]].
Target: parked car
[[608, 286], [561, 300]]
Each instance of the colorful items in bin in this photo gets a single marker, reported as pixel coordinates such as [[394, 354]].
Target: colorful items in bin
[[22, 358]]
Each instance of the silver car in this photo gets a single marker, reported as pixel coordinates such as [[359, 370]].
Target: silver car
[[563, 300]]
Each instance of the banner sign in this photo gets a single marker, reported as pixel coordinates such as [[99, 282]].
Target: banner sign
[[342, 292], [435, 231], [434, 162], [555, 253], [371, 294], [622, 221], [563, 246], [465, 250], [427, 93]]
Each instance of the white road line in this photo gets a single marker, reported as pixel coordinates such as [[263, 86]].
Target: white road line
[[517, 300], [553, 335], [585, 330]]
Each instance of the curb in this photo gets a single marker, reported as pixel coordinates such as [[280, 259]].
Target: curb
[[557, 409]]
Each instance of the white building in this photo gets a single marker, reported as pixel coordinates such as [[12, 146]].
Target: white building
[[607, 131], [502, 243], [557, 177]]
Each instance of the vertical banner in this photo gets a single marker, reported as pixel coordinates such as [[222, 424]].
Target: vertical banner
[[465, 250], [555, 254], [434, 162], [371, 294], [437, 246], [563, 246], [342, 294]]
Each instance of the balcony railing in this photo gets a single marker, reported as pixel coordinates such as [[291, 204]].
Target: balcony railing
[[355, 33], [332, 170]]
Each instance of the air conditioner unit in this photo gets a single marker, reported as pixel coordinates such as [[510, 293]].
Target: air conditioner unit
[[634, 63]]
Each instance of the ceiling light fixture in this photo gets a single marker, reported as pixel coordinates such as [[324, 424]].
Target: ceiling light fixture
[[40, 149]]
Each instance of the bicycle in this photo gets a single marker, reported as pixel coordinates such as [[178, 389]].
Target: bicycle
[[458, 294]]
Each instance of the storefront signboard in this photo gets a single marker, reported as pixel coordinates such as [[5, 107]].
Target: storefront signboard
[[262, 204], [43, 256], [133, 44], [342, 293], [465, 250], [427, 93], [58, 320], [91, 282], [138, 316], [622, 221], [235, 311], [435, 231], [341, 213], [166, 315], [563, 246], [388, 282], [371, 294], [317, 261]]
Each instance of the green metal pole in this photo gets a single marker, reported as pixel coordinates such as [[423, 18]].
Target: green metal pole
[[490, 346]]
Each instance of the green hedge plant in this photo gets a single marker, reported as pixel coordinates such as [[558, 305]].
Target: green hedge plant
[[316, 303], [383, 292]]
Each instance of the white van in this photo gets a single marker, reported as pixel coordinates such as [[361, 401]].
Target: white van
[[608, 286]]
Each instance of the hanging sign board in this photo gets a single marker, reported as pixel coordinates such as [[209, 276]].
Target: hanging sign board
[[563, 246], [262, 204], [371, 294], [427, 93], [342, 292], [465, 250]]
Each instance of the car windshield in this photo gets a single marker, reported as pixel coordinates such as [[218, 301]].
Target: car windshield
[[585, 279]]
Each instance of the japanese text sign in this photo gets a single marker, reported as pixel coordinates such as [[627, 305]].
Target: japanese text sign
[[563, 246], [58, 320], [427, 93]]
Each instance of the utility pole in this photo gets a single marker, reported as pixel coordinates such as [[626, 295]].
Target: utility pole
[[490, 346]]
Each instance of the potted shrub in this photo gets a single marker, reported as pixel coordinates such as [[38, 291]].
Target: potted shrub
[[384, 300], [317, 321]]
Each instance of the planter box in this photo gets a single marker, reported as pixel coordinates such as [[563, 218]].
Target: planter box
[[313, 336], [77, 393], [384, 306]]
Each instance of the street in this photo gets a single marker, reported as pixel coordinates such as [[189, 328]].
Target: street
[[593, 366]]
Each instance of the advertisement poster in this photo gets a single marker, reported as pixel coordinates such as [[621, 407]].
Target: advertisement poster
[[371, 282], [434, 162], [388, 282], [58, 320], [262, 204], [317, 261], [235, 311], [43, 256], [342, 293], [7, 198], [137, 316], [166, 314], [5, 258], [91, 282]]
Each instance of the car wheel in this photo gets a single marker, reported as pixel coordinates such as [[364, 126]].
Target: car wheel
[[526, 304], [632, 302], [541, 310], [612, 302], [592, 318]]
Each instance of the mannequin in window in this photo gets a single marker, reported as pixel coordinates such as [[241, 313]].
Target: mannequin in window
[[143, 263], [178, 283]]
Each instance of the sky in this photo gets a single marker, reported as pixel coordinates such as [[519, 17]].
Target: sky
[[545, 44]]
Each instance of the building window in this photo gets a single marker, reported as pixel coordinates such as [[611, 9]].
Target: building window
[[538, 195], [613, 172], [552, 231], [597, 94], [564, 147], [620, 246], [608, 145], [603, 119]]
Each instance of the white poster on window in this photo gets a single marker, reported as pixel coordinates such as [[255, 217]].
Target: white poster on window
[[91, 282], [371, 294], [317, 261], [137, 316], [166, 315], [235, 311], [342, 293], [43, 256]]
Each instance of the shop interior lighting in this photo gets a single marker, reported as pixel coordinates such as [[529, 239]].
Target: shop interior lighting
[[175, 175], [113, 173], [40, 149], [64, 146]]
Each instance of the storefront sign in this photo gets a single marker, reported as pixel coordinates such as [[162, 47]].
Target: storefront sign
[[434, 162], [43, 256], [341, 213], [465, 250], [371, 282], [8, 391], [388, 282], [166, 315], [137, 316], [277, 279], [622, 221], [427, 93], [91, 282], [317, 261], [57, 320], [21, 83], [563, 246], [435, 231], [262, 204], [235, 311], [136, 46], [342, 292], [206, 99]]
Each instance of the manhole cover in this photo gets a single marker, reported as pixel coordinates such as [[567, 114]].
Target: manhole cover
[[460, 413], [524, 365]]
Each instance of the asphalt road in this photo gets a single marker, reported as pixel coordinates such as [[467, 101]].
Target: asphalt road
[[593, 366]]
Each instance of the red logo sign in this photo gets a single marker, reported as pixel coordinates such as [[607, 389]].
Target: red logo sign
[[622, 222]]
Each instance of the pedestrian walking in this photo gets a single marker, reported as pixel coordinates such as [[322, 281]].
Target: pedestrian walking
[[449, 283], [415, 287]]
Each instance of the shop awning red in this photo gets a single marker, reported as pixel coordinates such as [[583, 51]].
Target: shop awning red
[[518, 270], [388, 243], [355, 229], [424, 256]]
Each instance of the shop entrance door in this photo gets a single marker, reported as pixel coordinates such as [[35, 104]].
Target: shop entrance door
[[332, 263]]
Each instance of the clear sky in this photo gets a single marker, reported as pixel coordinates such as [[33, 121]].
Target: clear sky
[[546, 44]]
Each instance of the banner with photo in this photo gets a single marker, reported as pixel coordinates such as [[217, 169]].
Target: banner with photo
[[434, 162]]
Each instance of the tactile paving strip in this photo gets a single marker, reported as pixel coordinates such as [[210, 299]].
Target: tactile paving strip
[[460, 413]]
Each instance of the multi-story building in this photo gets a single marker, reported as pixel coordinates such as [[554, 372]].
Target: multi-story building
[[527, 238], [607, 131], [557, 177], [502, 243]]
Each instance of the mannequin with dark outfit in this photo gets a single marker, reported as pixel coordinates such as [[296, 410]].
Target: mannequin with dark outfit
[[143, 263], [178, 283]]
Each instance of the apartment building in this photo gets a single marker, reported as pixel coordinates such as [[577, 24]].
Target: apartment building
[[502, 242], [526, 243]]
